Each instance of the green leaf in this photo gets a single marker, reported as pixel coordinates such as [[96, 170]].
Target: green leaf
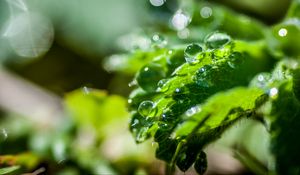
[[223, 109], [96, 109], [10, 169], [161, 104]]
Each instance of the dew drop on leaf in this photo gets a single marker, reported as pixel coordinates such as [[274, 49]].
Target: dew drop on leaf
[[167, 116], [193, 110], [191, 52], [142, 135], [261, 80], [201, 77], [217, 40], [273, 92], [147, 109], [162, 85], [175, 58], [149, 76]]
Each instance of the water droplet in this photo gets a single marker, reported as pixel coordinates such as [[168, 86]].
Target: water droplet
[[175, 59], [129, 101], [192, 111], [191, 52], [86, 90], [180, 20], [170, 52], [201, 77], [273, 92], [135, 122], [147, 109], [282, 32], [167, 116], [261, 80], [158, 40], [132, 83], [206, 12], [235, 60], [163, 86], [157, 3], [142, 134], [217, 40], [149, 76], [180, 93]]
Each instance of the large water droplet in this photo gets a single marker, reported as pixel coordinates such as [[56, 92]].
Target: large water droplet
[[191, 52], [149, 76], [217, 40], [175, 58], [147, 109]]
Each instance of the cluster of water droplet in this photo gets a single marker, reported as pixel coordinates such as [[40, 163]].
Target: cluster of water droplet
[[156, 81]]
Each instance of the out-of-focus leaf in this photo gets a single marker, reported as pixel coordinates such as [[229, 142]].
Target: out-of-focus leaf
[[283, 115], [131, 63], [89, 107], [10, 169], [283, 39], [28, 160]]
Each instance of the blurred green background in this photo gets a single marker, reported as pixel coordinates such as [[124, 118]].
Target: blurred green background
[[57, 112]]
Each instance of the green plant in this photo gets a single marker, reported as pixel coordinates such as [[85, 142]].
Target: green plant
[[189, 91]]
